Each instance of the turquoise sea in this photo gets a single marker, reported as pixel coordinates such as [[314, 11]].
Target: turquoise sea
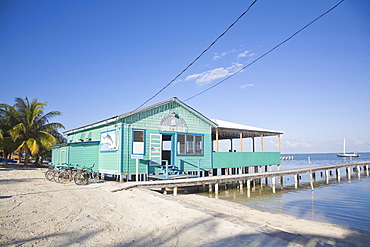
[[345, 202]]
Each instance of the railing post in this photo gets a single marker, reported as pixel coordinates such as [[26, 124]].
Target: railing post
[[166, 161], [198, 168]]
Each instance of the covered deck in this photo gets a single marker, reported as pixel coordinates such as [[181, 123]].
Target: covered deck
[[239, 158]]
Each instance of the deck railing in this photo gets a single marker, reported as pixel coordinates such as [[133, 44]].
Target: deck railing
[[243, 159]]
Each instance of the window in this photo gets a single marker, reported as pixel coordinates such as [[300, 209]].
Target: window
[[198, 145], [181, 144], [189, 144], [138, 142]]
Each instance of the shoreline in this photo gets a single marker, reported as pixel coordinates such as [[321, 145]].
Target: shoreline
[[37, 212]]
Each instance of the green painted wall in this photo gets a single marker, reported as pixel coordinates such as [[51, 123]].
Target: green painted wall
[[79, 153], [119, 160], [84, 155], [241, 159], [59, 156], [150, 121]]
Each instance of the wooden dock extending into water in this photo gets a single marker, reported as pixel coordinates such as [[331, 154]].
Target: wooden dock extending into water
[[248, 178]]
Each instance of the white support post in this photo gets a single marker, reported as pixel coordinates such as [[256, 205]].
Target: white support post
[[261, 143], [338, 174], [175, 191], [358, 170], [348, 169], [137, 170]]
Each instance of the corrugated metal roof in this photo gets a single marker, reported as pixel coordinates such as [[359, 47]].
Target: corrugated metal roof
[[230, 130]]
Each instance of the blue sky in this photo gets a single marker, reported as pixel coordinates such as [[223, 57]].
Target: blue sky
[[95, 59]]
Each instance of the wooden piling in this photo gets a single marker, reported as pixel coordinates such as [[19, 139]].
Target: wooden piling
[[296, 181], [175, 191], [338, 174], [311, 181], [358, 169], [348, 170]]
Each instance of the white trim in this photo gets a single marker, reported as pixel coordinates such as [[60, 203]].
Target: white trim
[[106, 171]]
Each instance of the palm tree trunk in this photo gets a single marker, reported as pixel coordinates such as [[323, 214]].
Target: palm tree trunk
[[6, 154], [26, 159]]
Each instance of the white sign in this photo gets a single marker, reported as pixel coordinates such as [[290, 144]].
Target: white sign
[[137, 156], [108, 141]]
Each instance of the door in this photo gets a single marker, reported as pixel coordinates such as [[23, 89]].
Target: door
[[167, 148], [155, 146]]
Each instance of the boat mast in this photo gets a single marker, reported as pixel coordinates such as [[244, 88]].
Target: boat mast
[[344, 145]]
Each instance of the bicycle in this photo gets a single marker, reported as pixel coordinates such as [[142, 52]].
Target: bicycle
[[66, 176], [53, 170], [85, 175]]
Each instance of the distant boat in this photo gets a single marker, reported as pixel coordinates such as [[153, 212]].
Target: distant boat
[[348, 154]]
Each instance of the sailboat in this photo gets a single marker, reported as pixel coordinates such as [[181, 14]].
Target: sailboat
[[344, 151]]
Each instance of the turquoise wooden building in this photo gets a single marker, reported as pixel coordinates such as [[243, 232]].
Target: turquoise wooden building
[[165, 140]]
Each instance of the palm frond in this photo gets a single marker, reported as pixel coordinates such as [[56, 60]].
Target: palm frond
[[18, 131], [32, 146]]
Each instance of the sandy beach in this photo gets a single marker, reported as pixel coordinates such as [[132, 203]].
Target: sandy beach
[[37, 212]]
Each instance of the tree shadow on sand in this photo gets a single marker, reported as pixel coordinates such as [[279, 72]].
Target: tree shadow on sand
[[55, 239], [266, 237], [179, 236]]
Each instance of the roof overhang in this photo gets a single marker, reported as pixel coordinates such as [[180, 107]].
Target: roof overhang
[[229, 130]]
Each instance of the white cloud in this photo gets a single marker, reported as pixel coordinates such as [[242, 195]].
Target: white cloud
[[219, 55], [245, 54], [214, 74], [246, 85]]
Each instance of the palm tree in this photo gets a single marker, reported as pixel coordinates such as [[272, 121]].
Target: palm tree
[[32, 131]]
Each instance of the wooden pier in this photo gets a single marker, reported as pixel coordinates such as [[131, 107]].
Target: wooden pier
[[248, 178]]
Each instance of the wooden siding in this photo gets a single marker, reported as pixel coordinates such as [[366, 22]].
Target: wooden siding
[[60, 156], [106, 160], [84, 154], [150, 121]]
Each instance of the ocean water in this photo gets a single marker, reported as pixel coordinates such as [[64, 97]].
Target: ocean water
[[345, 202]]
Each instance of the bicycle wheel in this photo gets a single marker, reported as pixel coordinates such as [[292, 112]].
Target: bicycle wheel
[[80, 178], [64, 177], [49, 175], [56, 175]]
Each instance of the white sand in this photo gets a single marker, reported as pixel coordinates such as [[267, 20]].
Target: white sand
[[36, 212]]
